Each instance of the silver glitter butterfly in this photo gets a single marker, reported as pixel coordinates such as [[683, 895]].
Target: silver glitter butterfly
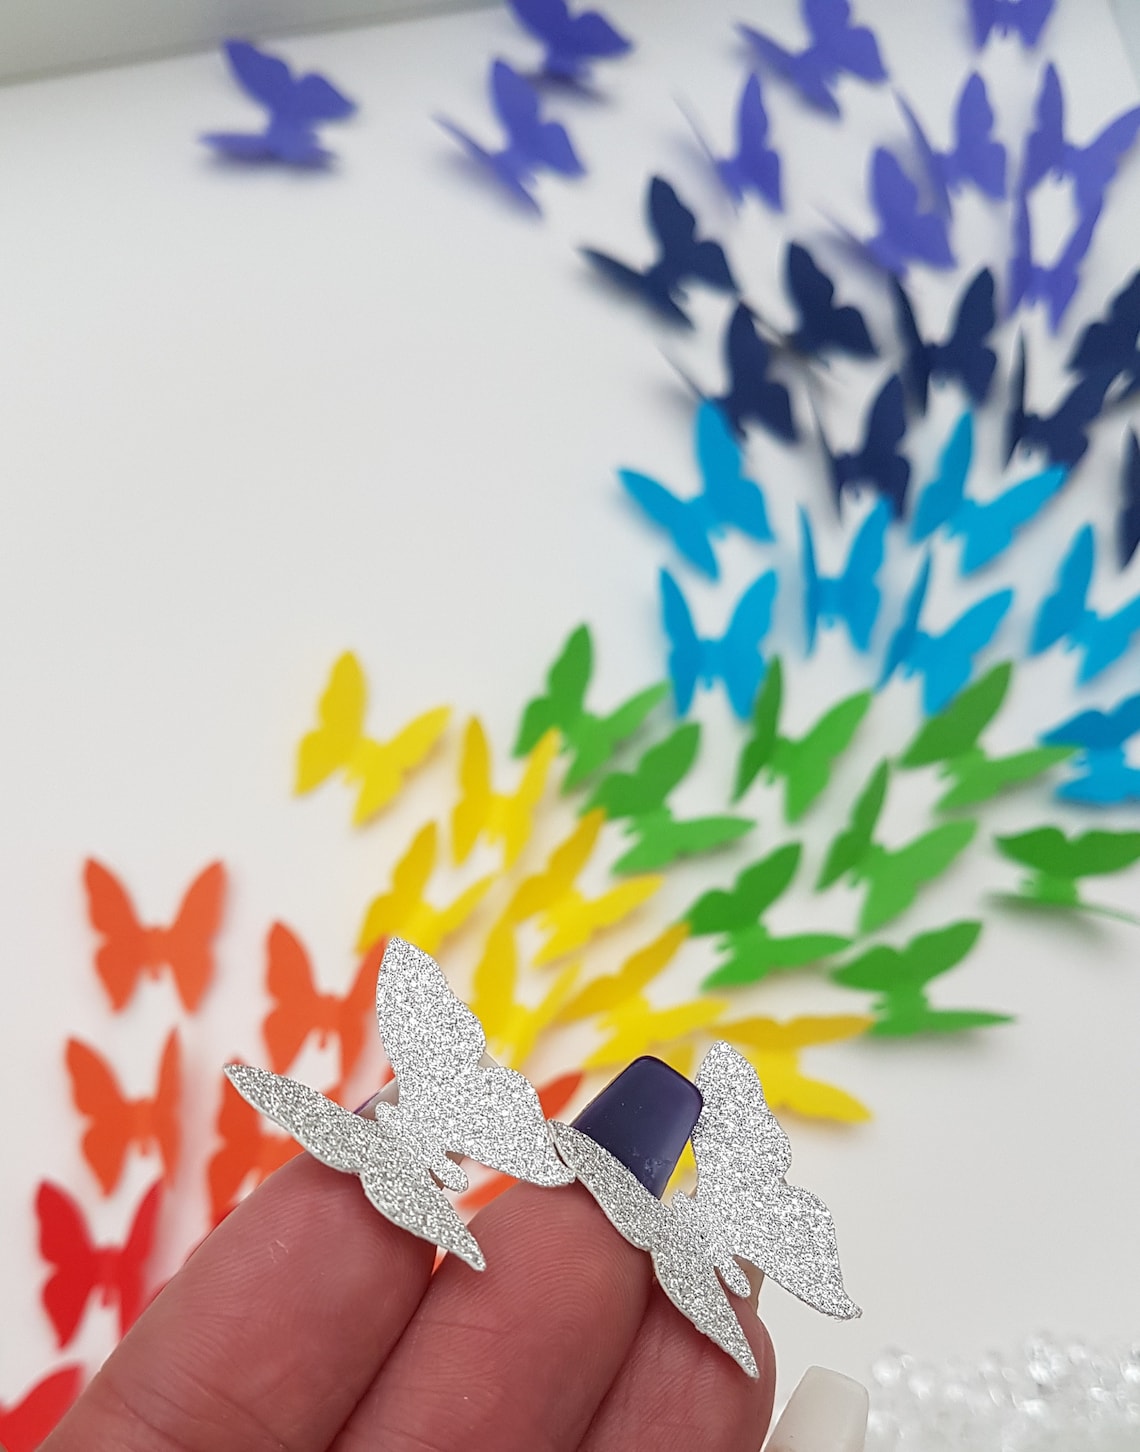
[[448, 1104], [742, 1208]]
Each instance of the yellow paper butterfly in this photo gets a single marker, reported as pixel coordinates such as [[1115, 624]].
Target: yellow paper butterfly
[[773, 1048], [638, 970], [377, 768], [404, 912], [637, 1028], [513, 1027], [483, 812]]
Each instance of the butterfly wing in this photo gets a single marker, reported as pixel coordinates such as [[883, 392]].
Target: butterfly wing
[[381, 766], [895, 877], [264, 78], [315, 98], [686, 653], [296, 1011], [471, 813], [965, 354], [915, 368], [1109, 345], [564, 703], [977, 155], [847, 47], [340, 726], [905, 232], [65, 1244], [24, 1426], [682, 254], [1063, 610], [119, 958], [684, 520], [752, 395], [989, 529], [732, 499], [942, 499], [903, 642], [1098, 730], [741, 664], [190, 941], [166, 1119], [857, 593], [756, 164], [946, 661], [879, 462], [96, 1094], [1106, 638], [822, 324], [335, 1136], [539, 143], [517, 815]]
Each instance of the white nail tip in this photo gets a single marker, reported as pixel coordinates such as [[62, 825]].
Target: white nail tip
[[827, 1412]]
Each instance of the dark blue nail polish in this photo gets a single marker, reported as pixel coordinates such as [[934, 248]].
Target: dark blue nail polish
[[644, 1118]]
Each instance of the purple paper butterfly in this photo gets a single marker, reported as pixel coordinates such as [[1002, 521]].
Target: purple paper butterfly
[[837, 47], [975, 155], [572, 41], [754, 166], [1027, 17]]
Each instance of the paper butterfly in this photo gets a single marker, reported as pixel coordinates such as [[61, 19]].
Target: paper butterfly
[[756, 888], [498, 816], [728, 498], [986, 530], [1108, 347], [247, 1148], [513, 1027], [773, 1049], [635, 1029], [975, 156], [899, 976], [532, 144], [660, 839], [1026, 17], [751, 396], [376, 768], [1063, 434], [742, 1209], [80, 1269], [682, 257], [754, 165], [447, 1105], [945, 661], [823, 327], [1066, 615], [1128, 520], [964, 355], [572, 42], [733, 658], [118, 1123], [129, 951], [852, 596], [836, 48], [404, 909], [26, 1423], [295, 104], [611, 990], [877, 461], [592, 739], [1107, 777], [647, 787], [905, 233], [1058, 863]]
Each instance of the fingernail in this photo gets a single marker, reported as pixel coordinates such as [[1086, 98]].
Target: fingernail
[[827, 1412], [644, 1118]]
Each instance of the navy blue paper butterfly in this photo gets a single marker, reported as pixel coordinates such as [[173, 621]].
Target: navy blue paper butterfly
[[906, 233], [572, 42], [976, 156], [1128, 520], [1062, 434], [964, 354], [986, 530], [754, 166], [1091, 169], [296, 106], [1108, 346], [728, 499], [533, 144], [734, 658], [877, 462], [1107, 777], [853, 596], [823, 327], [751, 396], [682, 258], [1026, 17], [836, 48], [944, 661], [1066, 615]]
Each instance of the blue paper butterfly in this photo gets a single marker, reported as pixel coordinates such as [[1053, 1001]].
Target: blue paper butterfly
[[853, 596], [1107, 777], [1065, 614], [734, 658]]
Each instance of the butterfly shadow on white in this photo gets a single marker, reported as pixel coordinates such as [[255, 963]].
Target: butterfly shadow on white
[[449, 1104]]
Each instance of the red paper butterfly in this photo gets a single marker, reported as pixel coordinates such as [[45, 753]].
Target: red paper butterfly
[[24, 1426], [301, 1010], [118, 1122], [129, 949], [80, 1269], [247, 1148]]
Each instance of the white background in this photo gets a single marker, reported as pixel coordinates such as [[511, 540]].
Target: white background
[[250, 419]]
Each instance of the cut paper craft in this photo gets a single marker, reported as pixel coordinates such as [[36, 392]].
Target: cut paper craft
[[1062, 434], [773, 1049], [542, 890], [877, 461], [899, 978], [81, 1269], [26, 1423], [975, 155], [963, 356], [754, 166], [728, 498], [1065, 614], [979, 778], [836, 48], [944, 661], [532, 144], [1059, 863], [757, 751], [752, 894], [1107, 778], [448, 1105], [129, 951], [1108, 347], [823, 326], [986, 530], [572, 42], [377, 769], [682, 258], [905, 232], [749, 955], [1128, 520], [248, 1151], [742, 1209], [850, 846], [404, 909], [1090, 168], [751, 396], [661, 840], [647, 787], [592, 739], [635, 1028], [641, 968], [116, 1123], [499, 816], [853, 596], [513, 1027], [553, 1098], [733, 658], [300, 1009], [1025, 17], [895, 876], [296, 106]]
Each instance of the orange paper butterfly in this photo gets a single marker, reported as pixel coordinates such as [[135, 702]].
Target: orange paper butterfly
[[129, 949], [117, 1123], [248, 1148], [25, 1425]]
